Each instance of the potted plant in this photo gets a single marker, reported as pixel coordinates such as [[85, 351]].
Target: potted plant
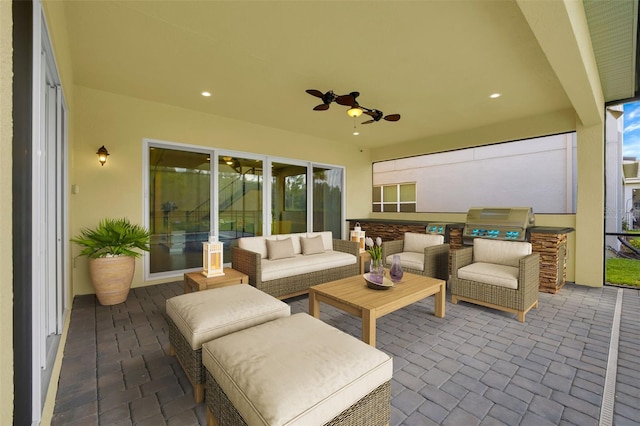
[[112, 248]]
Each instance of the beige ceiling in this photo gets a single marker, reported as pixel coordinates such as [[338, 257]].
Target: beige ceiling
[[433, 62]]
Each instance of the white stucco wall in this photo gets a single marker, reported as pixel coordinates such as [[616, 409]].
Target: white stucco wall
[[538, 173]]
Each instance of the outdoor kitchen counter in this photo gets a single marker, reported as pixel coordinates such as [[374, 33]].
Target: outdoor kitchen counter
[[551, 243], [550, 230], [390, 229]]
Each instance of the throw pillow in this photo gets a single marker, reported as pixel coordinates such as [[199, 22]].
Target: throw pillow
[[280, 249], [312, 245]]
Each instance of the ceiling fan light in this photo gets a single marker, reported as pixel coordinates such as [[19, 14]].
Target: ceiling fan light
[[354, 112]]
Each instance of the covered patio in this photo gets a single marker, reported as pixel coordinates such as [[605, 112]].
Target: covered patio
[[574, 361]]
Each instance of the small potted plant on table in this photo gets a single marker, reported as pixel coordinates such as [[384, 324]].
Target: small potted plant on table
[[112, 248]]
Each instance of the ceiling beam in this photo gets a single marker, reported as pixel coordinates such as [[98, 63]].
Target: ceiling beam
[[563, 34]]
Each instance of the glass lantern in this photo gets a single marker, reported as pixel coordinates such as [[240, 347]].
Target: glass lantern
[[358, 235], [212, 258]]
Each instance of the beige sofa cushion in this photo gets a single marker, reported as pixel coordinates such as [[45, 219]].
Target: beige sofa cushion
[[294, 371], [416, 243], [282, 268], [506, 253], [258, 244], [280, 249], [490, 273], [312, 245], [206, 315], [295, 240], [327, 238]]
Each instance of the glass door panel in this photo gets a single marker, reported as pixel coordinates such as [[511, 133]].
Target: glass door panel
[[240, 195], [179, 208], [327, 200], [288, 198]]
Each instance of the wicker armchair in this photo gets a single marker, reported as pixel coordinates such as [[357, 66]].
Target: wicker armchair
[[501, 271], [421, 254]]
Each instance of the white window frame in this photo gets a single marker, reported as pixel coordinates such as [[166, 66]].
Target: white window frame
[[398, 201]]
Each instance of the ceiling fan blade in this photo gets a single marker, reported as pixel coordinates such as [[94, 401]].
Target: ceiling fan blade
[[392, 117], [346, 100], [321, 107], [315, 93], [368, 122]]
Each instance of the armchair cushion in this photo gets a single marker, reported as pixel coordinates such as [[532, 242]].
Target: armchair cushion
[[506, 253], [490, 273], [416, 243], [408, 260]]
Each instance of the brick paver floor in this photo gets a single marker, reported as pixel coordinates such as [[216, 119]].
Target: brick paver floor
[[475, 366]]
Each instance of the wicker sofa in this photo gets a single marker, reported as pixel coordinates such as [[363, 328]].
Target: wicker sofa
[[501, 275], [285, 272]]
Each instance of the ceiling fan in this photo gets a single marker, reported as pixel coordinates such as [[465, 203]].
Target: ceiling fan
[[355, 109], [327, 98]]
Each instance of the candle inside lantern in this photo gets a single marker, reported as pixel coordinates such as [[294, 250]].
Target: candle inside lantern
[[212, 257]]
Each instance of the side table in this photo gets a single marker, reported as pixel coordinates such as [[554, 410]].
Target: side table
[[195, 281], [365, 258]]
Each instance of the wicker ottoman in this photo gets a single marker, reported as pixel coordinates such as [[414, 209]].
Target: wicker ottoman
[[296, 371], [196, 318]]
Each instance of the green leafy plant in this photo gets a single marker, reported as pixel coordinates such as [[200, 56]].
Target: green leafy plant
[[113, 237]]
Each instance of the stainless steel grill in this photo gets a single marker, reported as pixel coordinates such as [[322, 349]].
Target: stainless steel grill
[[500, 223]]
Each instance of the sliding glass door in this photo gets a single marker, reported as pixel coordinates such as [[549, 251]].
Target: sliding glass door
[[179, 208], [328, 194], [288, 198], [240, 199], [193, 192]]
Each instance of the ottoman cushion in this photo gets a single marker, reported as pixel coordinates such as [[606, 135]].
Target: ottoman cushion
[[208, 314], [294, 371]]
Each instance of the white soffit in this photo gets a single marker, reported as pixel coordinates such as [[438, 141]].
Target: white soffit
[[613, 28]]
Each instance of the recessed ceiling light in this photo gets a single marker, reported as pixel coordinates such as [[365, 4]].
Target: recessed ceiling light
[[356, 133], [206, 94], [495, 95]]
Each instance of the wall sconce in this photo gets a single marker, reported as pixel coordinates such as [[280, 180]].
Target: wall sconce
[[102, 155], [212, 258]]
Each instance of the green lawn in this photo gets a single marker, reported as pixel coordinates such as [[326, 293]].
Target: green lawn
[[623, 272]]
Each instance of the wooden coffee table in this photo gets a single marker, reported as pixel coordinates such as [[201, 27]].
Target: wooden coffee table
[[353, 296], [195, 281]]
